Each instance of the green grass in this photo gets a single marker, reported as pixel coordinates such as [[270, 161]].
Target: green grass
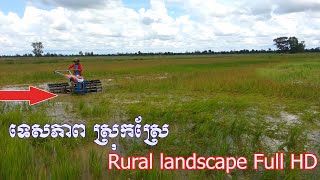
[[219, 105], [299, 72]]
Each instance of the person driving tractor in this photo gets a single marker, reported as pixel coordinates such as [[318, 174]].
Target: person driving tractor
[[77, 67]]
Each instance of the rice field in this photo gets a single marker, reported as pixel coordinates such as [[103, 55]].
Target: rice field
[[216, 105]]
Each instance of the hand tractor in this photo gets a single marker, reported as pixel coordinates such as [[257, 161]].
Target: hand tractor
[[76, 84]]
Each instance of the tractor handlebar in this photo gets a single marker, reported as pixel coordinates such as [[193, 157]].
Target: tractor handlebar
[[60, 72]]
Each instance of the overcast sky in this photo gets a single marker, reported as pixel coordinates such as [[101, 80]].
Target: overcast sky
[[111, 26]]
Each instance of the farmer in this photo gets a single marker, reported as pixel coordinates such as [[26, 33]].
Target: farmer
[[77, 67]]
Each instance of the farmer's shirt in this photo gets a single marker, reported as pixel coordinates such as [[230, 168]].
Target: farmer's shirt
[[77, 68]]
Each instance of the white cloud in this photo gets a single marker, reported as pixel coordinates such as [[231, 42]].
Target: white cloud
[[72, 4], [112, 27]]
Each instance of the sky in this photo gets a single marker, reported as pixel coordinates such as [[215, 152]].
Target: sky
[[112, 26]]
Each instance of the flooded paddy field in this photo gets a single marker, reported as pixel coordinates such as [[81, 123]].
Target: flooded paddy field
[[214, 105]]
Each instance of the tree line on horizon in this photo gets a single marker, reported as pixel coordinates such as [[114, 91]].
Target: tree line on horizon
[[283, 45]]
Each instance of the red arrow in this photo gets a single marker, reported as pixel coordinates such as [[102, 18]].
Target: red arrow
[[33, 95]]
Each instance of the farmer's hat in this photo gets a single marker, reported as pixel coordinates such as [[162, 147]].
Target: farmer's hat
[[76, 60]]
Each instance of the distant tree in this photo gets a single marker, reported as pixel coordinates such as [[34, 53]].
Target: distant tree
[[37, 48], [301, 46], [282, 44], [295, 45], [291, 44], [80, 53]]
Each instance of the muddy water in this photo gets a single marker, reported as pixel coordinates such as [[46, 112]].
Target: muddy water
[[290, 120], [64, 112], [43, 86]]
